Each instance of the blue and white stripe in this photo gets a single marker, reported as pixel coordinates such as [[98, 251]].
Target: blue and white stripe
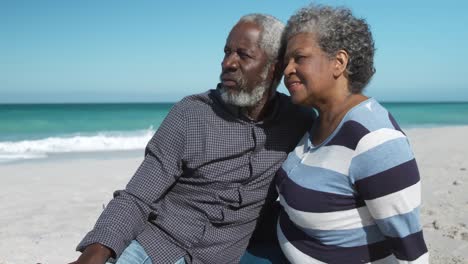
[[355, 198]]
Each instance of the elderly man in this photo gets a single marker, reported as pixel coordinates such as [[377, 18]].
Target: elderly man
[[208, 170]]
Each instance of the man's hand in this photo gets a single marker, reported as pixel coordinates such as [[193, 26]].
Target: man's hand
[[94, 254]]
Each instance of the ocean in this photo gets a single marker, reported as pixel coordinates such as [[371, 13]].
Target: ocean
[[36, 131]]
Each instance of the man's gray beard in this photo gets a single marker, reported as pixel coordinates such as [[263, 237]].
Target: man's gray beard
[[243, 98]]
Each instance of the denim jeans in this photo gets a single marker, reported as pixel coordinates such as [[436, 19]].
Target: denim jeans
[[259, 254], [135, 254], [264, 254]]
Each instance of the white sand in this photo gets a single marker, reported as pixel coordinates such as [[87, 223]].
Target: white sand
[[47, 206], [442, 156]]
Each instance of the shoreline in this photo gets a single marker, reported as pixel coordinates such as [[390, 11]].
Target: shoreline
[[49, 204], [43, 153], [66, 156]]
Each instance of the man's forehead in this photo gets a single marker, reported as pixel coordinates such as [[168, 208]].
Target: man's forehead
[[244, 34]]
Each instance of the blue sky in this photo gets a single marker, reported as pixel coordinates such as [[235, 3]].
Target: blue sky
[[127, 51]]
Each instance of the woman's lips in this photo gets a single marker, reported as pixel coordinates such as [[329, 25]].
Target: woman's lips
[[293, 86]]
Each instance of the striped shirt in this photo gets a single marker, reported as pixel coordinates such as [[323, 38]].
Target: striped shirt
[[355, 198]]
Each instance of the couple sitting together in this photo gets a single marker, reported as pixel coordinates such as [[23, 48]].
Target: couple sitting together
[[208, 188]]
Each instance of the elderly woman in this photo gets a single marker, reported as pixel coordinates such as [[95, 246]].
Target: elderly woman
[[350, 191]]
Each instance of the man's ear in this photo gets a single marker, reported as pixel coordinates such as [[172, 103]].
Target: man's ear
[[341, 62]]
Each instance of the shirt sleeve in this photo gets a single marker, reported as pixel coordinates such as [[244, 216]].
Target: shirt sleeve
[[126, 214], [386, 177]]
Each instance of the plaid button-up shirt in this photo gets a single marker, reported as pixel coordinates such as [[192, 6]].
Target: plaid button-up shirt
[[206, 175]]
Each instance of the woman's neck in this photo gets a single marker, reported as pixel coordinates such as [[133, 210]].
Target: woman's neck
[[331, 112]]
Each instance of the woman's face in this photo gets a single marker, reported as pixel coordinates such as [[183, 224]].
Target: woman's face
[[309, 71]]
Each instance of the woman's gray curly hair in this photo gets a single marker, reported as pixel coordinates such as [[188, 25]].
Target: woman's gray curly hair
[[337, 29]]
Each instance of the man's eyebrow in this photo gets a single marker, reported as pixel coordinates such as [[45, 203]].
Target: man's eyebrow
[[244, 49]]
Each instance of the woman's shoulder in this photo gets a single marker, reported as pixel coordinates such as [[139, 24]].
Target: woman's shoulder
[[367, 120], [371, 115]]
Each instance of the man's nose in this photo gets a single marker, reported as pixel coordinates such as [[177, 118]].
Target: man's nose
[[230, 62]]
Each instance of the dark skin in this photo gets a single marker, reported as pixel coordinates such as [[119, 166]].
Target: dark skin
[[243, 60], [315, 79], [94, 253]]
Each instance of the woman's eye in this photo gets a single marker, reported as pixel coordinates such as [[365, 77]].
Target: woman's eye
[[299, 58]]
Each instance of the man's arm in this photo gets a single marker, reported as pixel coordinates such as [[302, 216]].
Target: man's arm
[[94, 253], [126, 215], [265, 229]]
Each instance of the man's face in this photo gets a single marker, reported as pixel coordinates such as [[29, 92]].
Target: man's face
[[244, 76]]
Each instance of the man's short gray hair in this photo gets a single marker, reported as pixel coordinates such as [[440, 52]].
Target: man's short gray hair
[[271, 36], [337, 29]]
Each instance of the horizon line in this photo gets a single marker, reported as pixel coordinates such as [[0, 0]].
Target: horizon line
[[173, 102]]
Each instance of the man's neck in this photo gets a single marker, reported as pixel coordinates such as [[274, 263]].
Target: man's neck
[[259, 110]]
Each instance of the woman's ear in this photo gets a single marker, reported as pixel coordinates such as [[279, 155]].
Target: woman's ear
[[341, 62]]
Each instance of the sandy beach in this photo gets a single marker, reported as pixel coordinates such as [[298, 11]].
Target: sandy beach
[[48, 205]]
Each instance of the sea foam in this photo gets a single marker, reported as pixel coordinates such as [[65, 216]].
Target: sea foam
[[78, 142]]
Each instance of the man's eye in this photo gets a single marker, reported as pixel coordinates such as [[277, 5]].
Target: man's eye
[[244, 55]]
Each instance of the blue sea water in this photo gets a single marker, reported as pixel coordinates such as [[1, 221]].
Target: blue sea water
[[30, 131], [429, 114]]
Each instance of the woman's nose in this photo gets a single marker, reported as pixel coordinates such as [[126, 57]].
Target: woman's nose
[[289, 68]]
